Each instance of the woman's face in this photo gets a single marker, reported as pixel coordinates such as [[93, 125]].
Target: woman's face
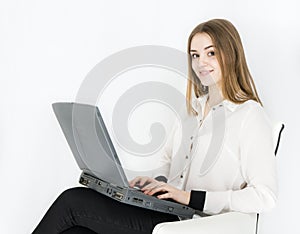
[[204, 61]]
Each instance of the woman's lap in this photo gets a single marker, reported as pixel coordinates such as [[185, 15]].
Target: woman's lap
[[85, 207]]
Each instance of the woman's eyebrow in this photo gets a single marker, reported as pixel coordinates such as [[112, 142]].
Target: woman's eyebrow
[[205, 48]]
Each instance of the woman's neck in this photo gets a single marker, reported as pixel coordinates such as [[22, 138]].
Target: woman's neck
[[214, 95]]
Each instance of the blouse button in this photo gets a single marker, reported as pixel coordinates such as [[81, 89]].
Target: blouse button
[[181, 176], [186, 157]]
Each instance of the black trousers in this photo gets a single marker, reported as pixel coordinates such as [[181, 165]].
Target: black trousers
[[85, 211]]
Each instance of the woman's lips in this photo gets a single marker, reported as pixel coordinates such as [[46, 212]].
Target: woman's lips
[[205, 72]]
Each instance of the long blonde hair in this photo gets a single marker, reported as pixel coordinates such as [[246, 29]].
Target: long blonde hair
[[237, 84]]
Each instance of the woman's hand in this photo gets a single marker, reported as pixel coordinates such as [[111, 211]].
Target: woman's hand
[[141, 181], [151, 186]]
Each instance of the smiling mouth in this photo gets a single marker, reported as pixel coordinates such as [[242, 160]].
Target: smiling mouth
[[205, 72]]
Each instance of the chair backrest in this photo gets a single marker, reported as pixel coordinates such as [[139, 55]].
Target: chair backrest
[[277, 130]]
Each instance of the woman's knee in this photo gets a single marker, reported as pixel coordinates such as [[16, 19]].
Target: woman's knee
[[72, 194], [72, 191]]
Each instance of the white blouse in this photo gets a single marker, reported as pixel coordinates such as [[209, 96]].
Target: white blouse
[[229, 154]]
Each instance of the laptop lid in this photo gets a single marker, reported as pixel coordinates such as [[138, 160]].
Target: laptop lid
[[90, 143]]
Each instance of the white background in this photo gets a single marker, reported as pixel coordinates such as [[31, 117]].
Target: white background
[[48, 47]]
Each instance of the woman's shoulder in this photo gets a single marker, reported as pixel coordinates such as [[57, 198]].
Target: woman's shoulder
[[254, 112], [251, 111], [251, 104]]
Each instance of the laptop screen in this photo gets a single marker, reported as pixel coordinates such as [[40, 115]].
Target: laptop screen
[[88, 138]]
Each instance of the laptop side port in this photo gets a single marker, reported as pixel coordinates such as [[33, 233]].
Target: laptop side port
[[118, 196], [84, 181], [137, 200]]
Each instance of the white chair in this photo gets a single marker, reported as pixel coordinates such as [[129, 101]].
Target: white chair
[[226, 223]]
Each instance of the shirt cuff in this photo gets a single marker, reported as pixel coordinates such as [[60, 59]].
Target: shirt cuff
[[197, 200]]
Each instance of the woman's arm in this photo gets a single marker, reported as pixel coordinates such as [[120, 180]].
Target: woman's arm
[[257, 166]]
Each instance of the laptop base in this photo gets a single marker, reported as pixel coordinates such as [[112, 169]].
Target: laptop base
[[135, 197]]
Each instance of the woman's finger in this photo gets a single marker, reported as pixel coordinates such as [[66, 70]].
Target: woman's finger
[[167, 195], [159, 188], [150, 186], [144, 180], [133, 182]]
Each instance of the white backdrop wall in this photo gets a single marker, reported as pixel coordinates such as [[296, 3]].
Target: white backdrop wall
[[48, 47]]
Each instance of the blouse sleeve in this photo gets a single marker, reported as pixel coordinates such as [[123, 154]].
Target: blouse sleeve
[[258, 168]]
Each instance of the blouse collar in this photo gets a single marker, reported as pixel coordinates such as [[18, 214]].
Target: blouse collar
[[199, 102]]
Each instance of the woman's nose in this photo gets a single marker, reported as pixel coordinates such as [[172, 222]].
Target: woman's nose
[[201, 61]]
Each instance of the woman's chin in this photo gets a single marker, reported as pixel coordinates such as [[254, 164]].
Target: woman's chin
[[205, 82]]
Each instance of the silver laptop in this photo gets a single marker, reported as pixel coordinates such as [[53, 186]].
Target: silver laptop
[[95, 154]]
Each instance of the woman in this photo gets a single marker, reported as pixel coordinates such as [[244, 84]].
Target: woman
[[240, 174]]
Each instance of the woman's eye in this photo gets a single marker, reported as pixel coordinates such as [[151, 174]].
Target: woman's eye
[[194, 56], [211, 53]]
